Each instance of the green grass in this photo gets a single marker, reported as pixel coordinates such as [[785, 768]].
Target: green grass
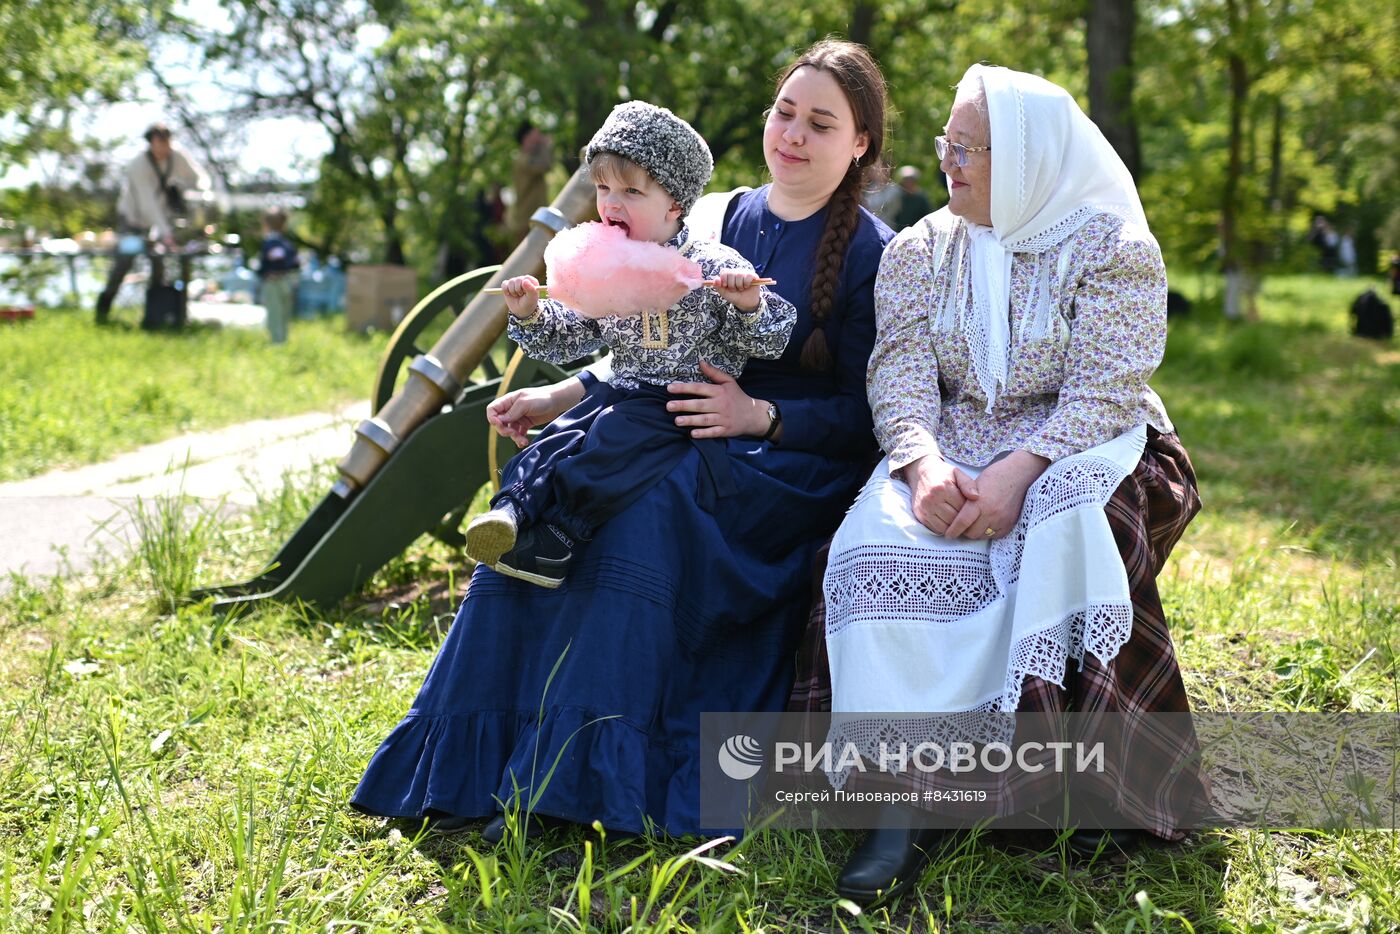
[[74, 394], [164, 769], [1290, 421]]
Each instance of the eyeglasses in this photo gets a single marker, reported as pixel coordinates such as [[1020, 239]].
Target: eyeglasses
[[941, 145]]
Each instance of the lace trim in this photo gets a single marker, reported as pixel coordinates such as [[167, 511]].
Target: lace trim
[[1056, 233], [1020, 149], [872, 738], [1075, 483], [904, 584], [1102, 629], [988, 330], [951, 260]]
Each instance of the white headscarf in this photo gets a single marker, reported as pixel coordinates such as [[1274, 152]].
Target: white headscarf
[[1052, 170]]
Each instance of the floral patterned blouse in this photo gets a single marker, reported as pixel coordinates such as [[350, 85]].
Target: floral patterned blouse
[[664, 347], [1077, 372]]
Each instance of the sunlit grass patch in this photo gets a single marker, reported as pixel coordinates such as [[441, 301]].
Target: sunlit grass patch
[[1290, 418], [75, 394]]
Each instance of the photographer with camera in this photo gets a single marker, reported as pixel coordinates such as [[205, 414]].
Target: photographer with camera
[[153, 186]]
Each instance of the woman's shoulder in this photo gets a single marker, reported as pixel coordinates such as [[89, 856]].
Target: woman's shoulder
[[710, 214], [920, 236], [1113, 228], [870, 227], [1112, 240], [869, 240], [746, 202], [942, 221]]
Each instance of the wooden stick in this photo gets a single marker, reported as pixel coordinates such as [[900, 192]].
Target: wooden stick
[[712, 283]]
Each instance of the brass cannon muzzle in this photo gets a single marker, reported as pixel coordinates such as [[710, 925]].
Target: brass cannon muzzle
[[436, 377]]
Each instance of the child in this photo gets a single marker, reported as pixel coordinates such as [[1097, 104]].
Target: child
[[593, 461], [277, 267]]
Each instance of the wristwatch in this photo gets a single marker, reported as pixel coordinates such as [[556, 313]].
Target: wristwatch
[[775, 419]]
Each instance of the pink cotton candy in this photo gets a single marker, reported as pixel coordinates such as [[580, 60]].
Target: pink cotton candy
[[594, 269]]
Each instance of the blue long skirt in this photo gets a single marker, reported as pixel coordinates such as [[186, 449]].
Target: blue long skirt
[[670, 611]]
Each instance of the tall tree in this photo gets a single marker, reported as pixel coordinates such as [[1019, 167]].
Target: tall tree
[[1111, 26], [1232, 251]]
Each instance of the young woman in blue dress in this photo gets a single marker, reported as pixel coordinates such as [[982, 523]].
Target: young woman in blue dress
[[693, 598]]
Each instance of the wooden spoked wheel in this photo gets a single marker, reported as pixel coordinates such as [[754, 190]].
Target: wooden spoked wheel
[[523, 372], [504, 364], [420, 330]]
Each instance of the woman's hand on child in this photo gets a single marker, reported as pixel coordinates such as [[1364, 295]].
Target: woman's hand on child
[[522, 295], [723, 410], [736, 286]]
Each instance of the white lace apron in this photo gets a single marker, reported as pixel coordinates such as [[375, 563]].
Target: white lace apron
[[916, 623]]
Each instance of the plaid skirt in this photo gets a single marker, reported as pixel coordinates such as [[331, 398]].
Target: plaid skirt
[[1148, 514]]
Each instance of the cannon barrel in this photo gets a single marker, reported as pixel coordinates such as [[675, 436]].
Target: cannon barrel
[[437, 376]]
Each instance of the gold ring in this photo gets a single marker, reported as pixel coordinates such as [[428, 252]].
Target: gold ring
[[991, 531]]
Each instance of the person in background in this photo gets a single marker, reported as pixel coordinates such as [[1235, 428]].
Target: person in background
[[1346, 254], [278, 265], [1323, 237], [151, 197], [533, 160], [884, 198], [913, 203]]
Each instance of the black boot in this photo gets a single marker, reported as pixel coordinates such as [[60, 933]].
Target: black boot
[[1087, 843], [495, 830], [888, 861], [1099, 815], [448, 824]]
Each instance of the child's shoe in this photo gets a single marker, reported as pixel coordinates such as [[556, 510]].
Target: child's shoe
[[542, 557], [492, 534]]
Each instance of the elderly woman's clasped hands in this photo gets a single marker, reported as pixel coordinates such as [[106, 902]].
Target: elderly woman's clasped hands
[[948, 502]]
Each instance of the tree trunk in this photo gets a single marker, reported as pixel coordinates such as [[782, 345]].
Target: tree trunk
[[595, 97], [1276, 158], [1231, 253], [1263, 249], [862, 23], [393, 239], [1111, 25]]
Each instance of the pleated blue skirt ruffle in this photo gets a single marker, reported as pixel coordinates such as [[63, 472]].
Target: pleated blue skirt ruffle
[[589, 697]]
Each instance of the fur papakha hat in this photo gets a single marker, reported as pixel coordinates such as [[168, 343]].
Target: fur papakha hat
[[660, 142]]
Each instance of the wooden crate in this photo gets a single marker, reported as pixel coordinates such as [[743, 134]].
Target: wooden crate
[[379, 296]]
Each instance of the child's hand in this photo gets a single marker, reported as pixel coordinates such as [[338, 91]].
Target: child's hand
[[522, 295], [515, 413], [737, 288]]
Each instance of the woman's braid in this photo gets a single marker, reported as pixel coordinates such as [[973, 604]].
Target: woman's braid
[[842, 218]]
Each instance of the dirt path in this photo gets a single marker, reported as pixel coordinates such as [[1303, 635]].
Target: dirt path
[[66, 519]]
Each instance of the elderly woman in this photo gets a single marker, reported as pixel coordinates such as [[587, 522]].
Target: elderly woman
[[1032, 485]]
